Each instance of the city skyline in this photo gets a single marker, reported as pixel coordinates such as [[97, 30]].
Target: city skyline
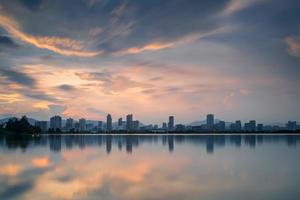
[[84, 59], [57, 124]]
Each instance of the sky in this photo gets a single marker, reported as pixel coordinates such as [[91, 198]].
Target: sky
[[238, 59]]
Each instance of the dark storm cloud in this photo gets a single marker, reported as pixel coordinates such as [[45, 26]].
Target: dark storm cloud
[[18, 77]]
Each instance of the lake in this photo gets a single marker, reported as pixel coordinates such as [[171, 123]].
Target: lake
[[148, 167]]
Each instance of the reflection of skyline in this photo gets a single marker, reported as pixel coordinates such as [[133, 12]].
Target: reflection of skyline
[[132, 167], [130, 142]]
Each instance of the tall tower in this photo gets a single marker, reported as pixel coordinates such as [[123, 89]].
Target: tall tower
[[55, 122], [108, 122], [210, 121], [129, 122], [171, 123], [82, 124]]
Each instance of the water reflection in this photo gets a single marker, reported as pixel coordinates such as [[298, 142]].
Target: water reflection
[[57, 142], [150, 167]]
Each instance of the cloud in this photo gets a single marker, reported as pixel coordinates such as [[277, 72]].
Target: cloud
[[32, 5], [228, 99], [94, 76], [47, 111], [95, 31], [293, 44], [63, 46], [110, 82], [7, 42], [10, 98], [38, 94], [17, 77], [66, 87], [234, 6], [96, 111], [156, 46]]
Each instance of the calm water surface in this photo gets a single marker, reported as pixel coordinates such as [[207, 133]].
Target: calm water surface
[[150, 167]]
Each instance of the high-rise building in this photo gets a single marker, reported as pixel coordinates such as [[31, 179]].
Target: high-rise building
[[69, 124], [82, 124], [220, 126], [99, 127], [129, 122], [260, 127], [89, 127], [136, 125], [108, 123], [238, 124], [210, 121], [291, 125], [252, 125], [120, 122], [42, 125], [55, 122], [164, 126], [171, 123]]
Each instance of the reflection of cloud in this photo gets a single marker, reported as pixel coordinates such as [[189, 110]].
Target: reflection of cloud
[[41, 162], [64, 46], [10, 170]]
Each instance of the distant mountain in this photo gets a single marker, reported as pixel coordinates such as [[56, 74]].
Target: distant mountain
[[199, 123]]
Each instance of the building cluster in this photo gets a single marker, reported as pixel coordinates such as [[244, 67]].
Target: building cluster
[[57, 124]]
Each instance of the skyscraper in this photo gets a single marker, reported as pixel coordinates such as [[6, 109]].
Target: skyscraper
[[99, 126], [220, 126], [120, 122], [210, 121], [69, 124], [108, 123], [42, 125], [171, 123], [291, 125], [164, 126], [238, 124], [82, 124], [135, 125], [252, 125], [129, 122], [55, 122]]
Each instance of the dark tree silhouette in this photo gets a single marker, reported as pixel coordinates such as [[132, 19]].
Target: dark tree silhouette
[[21, 126]]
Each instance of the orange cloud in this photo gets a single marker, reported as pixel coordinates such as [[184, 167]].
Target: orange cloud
[[149, 47], [10, 170], [63, 46], [41, 162], [10, 98], [155, 46]]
